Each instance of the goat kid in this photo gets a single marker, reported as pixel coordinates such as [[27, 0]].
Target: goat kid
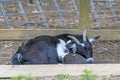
[[74, 59]]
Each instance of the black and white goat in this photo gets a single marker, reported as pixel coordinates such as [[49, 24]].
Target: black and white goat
[[83, 46], [52, 49]]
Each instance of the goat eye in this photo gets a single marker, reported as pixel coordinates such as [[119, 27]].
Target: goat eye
[[66, 51], [85, 48]]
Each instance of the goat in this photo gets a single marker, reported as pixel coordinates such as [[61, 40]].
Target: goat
[[84, 46], [41, 50], [74, 59], [52, 49]]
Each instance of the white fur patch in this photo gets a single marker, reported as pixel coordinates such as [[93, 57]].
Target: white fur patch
[[74, 48], [82, 44], [69, 41], [61, 49], [19, 57], [92, 40], [90, 60]]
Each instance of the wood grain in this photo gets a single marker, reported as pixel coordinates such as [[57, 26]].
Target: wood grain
[[52, 70]]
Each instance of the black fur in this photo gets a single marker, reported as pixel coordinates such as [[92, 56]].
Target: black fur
[[42, 50]]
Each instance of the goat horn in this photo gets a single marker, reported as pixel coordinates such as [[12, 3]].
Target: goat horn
[[74, 38], [84, 35]]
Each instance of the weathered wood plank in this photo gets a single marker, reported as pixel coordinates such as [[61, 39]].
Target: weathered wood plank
[[26, 34], [52, 70]]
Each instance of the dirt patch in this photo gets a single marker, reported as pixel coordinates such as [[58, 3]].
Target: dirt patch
[[7, 49], [103, 51], [107, 52]]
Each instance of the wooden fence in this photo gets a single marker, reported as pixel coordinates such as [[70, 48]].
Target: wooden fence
[[18, 34], [27, 34], [51, 70]]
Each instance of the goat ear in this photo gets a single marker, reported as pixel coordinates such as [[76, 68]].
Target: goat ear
[[91, 40], [74, 49], [71, 46]]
